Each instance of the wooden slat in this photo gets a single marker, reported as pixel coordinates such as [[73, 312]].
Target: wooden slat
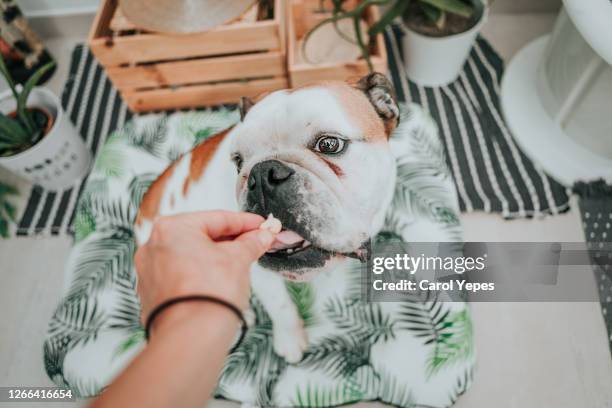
[[202, 70], [102, 19], [199, 95], [263, 35], [296, 9], [305, 74], [279, 18], [120, 22], [292, 26]]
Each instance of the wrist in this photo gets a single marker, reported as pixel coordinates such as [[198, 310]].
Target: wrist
[[192, 313]]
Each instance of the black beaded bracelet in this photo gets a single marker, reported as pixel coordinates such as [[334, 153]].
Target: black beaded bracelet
[[199, 298]]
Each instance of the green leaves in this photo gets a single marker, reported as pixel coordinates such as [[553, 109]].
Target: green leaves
[[363, 321], [303, 296], [396, 10], [426, 319], [150, 137], [434, 15], [316, 396], [139, 186], [448, 333], [84, 223], [102, 262], [203, 134], [13, 136], [340, 356], [455, 342], [357, 326], [7, 209], [22, 99], [81, 317], [111, 160], [134, 339], [395, 393]]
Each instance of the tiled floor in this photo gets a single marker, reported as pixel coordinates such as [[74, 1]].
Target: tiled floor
[[530, 355]]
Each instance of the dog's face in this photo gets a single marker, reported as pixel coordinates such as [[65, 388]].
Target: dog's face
[[318, 159]]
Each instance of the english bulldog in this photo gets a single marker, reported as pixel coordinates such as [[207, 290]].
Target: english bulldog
[[318, 159]]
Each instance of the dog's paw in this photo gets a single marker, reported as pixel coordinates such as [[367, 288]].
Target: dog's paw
[[290, 344]]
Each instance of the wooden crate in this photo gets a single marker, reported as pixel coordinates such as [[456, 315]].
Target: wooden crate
[[154, 71], [301, 18]]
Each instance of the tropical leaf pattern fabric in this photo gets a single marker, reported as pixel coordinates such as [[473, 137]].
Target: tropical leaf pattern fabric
[[412, 354]]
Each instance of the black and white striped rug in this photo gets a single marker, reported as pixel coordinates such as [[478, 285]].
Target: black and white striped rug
[[491, 173]]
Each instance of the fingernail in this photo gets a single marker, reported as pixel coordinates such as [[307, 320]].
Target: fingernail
[[265, 237]]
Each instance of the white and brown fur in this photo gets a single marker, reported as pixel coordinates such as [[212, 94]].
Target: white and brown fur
[[337, 201]]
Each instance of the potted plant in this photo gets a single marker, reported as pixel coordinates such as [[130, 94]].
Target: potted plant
[[7, 209], [438, 33], [37, 140]]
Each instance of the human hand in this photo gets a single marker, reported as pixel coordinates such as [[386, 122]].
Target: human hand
[[207, 253]]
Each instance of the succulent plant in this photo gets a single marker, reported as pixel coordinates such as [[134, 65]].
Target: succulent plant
[[25, 127]]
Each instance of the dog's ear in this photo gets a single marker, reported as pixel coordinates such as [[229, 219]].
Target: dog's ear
[[381, 94], [244, 106]]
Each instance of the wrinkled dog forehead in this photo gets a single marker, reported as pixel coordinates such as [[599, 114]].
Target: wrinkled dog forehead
[[289, 118]]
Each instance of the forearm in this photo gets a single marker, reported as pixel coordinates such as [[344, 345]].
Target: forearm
[[181, 364]]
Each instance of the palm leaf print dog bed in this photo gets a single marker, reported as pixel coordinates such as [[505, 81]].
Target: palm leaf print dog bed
[[408, 354]]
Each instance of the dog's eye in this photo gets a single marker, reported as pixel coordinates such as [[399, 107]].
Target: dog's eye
[[237, 159], [329, 145]]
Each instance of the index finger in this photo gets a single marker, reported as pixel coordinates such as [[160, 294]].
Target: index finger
[[218, 224]]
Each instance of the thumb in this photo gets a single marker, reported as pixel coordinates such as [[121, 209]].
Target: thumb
[[253, 244]]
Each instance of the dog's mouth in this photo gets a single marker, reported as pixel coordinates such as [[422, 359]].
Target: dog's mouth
[[289, 243]]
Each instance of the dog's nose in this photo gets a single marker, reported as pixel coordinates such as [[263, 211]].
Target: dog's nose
[[269, 174], [265, 180]]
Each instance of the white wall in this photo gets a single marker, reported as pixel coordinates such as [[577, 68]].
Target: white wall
[[57, 7]]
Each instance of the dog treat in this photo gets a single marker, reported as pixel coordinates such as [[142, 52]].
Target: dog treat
[[272, 224]]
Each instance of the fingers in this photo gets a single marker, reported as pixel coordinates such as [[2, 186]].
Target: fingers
[[226, 223], [251, 245], [219, 224]]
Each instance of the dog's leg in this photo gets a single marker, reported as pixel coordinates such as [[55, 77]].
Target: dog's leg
[[288, 328]]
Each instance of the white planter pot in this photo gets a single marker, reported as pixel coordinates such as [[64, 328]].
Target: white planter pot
[[60, 158], [437, 61]]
